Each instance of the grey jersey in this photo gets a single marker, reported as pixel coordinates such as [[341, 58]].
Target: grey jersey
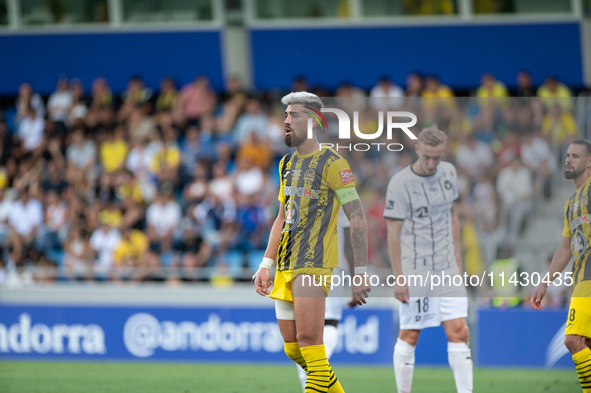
[[424, 204]]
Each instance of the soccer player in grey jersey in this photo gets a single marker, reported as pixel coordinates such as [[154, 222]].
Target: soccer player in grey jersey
[[424, 238]]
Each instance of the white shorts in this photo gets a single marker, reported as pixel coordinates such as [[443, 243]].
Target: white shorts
[[334, 309], [440, 304]]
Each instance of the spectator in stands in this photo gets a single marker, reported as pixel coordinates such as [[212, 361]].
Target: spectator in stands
[[386, 95], [60, 104], [101, 94], [79, 109], [54, 180], [30, 131], [5, 207], [253, 120], [192, 150], [524, 84], [139, 160], [249, 178], [300, 83], [168, 95], [27, 99], [491, 91], [162, 218], [434, 88], [81, 153], [251, 223], [538, 157], [510, 148], [349, 97], [196, 99], [141, 125], [559, 126], [54, 228], [114, 150], [474, 156], [216, 217], [136, 94], [553, 93], [167, 160], [485, 210], [197, 189], [257, 151], [514, 186], [78, 254], [132, 248], [221, 185], [25, 219], [104, 241], [151, 270]]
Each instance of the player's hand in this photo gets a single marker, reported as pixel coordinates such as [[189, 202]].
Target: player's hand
[[361, 292], [401, 293], [536, 298], [260, 281], [352, 303]]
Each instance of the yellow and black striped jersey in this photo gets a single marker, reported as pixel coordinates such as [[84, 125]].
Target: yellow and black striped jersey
[[308, 191], [577, 226]]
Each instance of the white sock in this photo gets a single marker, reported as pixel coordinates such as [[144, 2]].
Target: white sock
[[460, 361], [404, 365], [331, 338]]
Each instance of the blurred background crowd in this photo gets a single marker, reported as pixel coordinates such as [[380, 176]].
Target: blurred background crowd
[[181, 184]]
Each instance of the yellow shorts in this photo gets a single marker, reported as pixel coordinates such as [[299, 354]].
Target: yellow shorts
[[283, 278], [578, 321]]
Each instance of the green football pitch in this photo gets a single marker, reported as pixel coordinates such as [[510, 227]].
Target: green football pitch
[[45, 377]]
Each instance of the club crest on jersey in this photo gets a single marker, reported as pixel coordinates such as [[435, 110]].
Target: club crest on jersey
[[309, 175], [447, 185], [584, 200], [579, 243], [346, 176], [292, 215]]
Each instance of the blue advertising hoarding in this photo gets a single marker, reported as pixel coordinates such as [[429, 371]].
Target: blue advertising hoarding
[[525, 338], [177, 333]]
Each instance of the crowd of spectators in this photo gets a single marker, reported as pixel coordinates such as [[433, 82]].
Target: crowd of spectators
[[155, 185]]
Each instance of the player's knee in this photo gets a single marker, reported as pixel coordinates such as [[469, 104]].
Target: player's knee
[[574, 343], [462, 334], [309, 338], [410, 336]]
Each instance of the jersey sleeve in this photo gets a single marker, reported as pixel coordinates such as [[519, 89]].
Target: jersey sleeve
[[397, 202], [281, 196], [340, 175], [566, 229]]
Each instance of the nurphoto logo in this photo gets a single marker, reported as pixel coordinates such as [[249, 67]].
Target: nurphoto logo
[[392, 122]]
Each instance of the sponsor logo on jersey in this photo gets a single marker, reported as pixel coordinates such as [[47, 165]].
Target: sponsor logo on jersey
[[286, 174], [292, 215], [578, 243], [296, 174], [301, 192], [309, 175], [346, 176], [584, 219]]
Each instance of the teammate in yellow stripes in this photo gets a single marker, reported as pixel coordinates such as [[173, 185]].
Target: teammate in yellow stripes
[[576, 243], [315, 183]]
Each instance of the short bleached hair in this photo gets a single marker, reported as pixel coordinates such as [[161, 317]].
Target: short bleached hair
[[304, 98], [432, 136]]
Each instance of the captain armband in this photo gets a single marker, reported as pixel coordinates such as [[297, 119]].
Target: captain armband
[[347, 194]]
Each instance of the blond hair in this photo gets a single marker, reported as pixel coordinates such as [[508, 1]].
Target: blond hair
[[432, 136], [304, 98]]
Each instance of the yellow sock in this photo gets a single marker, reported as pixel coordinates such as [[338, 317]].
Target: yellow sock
[[292, 350], [320, 379], [582, 360], [334, 385]]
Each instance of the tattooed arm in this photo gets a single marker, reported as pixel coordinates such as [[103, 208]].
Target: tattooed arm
[[356, 216]]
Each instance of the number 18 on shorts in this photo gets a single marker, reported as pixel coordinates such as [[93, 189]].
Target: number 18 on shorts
[[424, 312]]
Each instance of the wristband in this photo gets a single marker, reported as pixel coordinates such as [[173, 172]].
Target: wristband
[[360, 270], [267, 263]]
